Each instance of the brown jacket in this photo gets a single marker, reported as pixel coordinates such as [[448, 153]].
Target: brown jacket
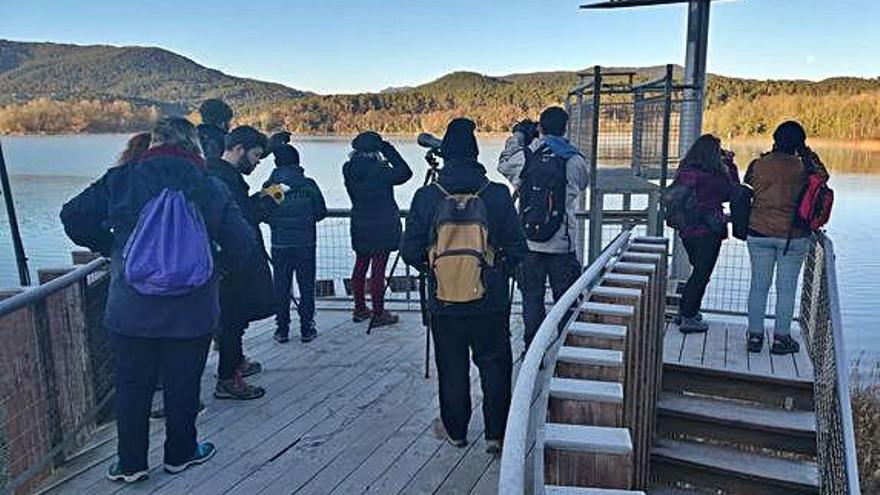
[[777, 179]]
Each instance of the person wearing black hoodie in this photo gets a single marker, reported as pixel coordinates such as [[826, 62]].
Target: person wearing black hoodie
[[247, 294], [373, 170], [216, 116], [299, 206], [480, 327]]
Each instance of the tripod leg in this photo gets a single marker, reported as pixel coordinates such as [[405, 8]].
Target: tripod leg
[[427, 351]]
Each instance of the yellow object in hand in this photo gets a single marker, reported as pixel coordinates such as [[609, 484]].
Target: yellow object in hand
[[276, 192]]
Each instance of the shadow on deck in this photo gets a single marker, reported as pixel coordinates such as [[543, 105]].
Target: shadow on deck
[[348, 413]]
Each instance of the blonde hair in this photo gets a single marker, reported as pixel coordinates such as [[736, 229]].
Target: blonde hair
[[136, 146], [177, 132]]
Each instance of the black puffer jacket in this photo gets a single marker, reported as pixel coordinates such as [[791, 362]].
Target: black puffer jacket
[[246, 294], [505, 234], [103, 216], [375, 217], [293, 221]]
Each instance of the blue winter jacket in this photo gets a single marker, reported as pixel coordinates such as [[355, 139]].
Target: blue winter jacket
[[293, 221]]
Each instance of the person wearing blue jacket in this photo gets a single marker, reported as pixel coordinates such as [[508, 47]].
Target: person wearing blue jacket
[[299, 206], [158, 336]]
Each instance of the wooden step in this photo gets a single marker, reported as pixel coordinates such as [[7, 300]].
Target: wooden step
[[647, 248], [768, 390], [651, 239], [597, 335], [574, 490], [589, 364], [599, 312], [587, 456], [585, 402], [639, 257], [634, 268], [737, 423], [732, 471], [626, 278]]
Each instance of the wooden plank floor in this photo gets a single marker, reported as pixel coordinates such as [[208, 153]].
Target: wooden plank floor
[[723, 347], [348, 413]]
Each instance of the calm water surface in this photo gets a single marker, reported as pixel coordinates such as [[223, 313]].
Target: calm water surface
[[46, 171]]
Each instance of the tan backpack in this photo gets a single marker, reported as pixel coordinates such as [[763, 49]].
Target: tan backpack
[[460, 251]]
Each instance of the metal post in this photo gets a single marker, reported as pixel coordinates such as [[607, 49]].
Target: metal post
[[664, 151], [638, 128], [24, 275], [692, 106], [595, 241]]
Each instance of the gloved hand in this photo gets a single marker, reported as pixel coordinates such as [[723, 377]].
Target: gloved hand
[[528, 129]]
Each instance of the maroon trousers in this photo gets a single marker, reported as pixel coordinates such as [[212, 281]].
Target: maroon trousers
[[377, 281]]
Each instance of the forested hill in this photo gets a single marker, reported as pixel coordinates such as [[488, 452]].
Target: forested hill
[[52, 88], [143, 76]]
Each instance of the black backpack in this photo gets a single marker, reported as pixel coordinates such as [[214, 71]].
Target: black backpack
[[741, 210], [680, 206], [542, 194]]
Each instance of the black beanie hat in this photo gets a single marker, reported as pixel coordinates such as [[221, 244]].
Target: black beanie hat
[[368, 142], [459, 140], [285, 154], [789, 137], [553, 121]]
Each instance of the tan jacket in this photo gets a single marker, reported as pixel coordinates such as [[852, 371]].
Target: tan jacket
[[777, 179]]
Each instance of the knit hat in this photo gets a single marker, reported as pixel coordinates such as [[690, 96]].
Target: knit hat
[[459, 140], [789, 137], [285, 154], [368, 142]]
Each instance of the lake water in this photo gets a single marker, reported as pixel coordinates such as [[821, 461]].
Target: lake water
[[46, 171]]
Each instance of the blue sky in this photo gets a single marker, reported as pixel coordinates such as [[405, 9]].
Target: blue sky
[[332, 46]]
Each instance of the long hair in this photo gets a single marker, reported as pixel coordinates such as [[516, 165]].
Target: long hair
[[177, 132], [705, 155], [136, 146]]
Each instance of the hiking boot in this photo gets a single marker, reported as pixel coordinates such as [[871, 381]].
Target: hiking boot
[[159, 414], [493, 447], [204, 451], [692, 325], [755, 342], [784, 345], [383, 319], [115, 473], [441, 433], [249, 368], [237, 389], [281, 336], [360, 315]]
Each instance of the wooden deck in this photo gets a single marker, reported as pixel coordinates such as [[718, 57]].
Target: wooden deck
[[723, 348], [348, 413]]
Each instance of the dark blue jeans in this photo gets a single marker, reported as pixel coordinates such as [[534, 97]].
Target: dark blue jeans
[[562, 269], [140, 363], [301, 262]]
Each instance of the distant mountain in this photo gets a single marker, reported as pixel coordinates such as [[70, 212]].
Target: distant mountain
[[138, 75]]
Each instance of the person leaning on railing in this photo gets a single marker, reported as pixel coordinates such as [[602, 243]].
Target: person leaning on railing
[[153, 335], [775, 244], [476, 318]]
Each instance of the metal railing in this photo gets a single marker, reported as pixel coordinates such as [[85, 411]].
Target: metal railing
[[528, 405], [822, 326], [55, 371]]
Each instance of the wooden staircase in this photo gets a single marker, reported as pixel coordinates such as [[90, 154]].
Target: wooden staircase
[[734, 432]]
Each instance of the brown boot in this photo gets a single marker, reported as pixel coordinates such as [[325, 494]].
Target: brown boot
[[384, 318], [236, 388]]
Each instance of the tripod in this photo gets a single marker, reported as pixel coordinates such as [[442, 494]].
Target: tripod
[[430, 177]]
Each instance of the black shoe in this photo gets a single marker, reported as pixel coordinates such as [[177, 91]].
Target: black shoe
[[249, 368], [360, 315], [755, 342], [493, 447], [308, 333], [692, 325], [383, 319], [784, 345], [204, 451], [281, 337]]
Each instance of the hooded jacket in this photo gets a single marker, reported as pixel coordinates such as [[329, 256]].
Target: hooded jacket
[[103, 216], [466, 175], [712, 191], [293, 221], [375, 216], [577, 178]]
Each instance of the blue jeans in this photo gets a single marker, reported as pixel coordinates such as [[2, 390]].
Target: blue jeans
[[140, 363], [562, 269], [286, 263], [766, 256]]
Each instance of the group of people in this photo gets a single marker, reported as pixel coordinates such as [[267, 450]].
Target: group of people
[[777, 242], [181, 228]]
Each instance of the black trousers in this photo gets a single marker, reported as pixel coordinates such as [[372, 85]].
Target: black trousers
[[140, 363], [231, 353], [703, 254], [562, 269], [487, 338]]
